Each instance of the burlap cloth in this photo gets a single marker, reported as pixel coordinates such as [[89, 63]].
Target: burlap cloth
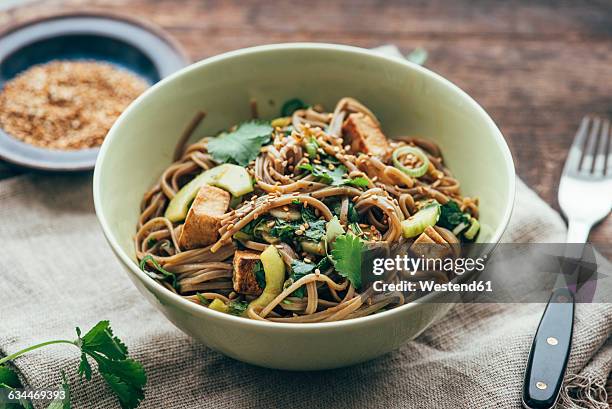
[[58, 272]]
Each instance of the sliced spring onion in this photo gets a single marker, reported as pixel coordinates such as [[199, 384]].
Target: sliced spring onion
[[473, 230], [418, 222], [414, 172], [459, 228]]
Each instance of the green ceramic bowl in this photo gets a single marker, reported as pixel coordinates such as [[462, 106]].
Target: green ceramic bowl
[[407, 98]]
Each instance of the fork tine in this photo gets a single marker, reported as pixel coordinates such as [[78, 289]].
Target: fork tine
[[599, 163], [590, 147], [573, 161]]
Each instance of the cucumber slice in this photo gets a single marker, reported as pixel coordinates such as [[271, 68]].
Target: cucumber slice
[[180, 203], [233, 178], [418, 222], [473, 230], [274, 269]]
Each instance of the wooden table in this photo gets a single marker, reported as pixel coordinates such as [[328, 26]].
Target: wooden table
[[536, 67]]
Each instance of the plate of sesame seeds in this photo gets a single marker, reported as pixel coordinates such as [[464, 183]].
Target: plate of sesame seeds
[[65, 79]]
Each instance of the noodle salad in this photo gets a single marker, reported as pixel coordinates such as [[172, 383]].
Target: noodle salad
[[269, 220]]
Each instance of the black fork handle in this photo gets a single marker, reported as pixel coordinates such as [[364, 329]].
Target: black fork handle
[[550, 352]]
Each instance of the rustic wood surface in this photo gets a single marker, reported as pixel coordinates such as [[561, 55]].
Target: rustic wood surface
[[536, 66]]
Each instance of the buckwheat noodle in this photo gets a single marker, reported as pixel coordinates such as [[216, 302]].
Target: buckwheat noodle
[[391, 196]]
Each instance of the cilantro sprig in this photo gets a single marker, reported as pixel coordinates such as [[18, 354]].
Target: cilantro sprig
[[346, 256], [242, 145], [338, 176], [123, 375]]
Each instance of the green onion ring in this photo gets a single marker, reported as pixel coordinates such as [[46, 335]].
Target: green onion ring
[[414, 172]]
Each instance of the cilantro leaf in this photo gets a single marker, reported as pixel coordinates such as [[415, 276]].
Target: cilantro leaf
[[292, 105], [451, 215], [237, 307], [338, 176], [300, 269], [346, 256], [126, 378], [260, 274], [100, 339], [9, 378], [357, 182], [316, 230], [284, 230], [242, 145]]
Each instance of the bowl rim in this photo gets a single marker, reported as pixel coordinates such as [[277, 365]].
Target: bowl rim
[[185, 305]]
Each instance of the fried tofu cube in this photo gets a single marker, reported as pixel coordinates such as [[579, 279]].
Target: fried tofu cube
[[430, 244], [244, 279], [364, 135], [203, 220]]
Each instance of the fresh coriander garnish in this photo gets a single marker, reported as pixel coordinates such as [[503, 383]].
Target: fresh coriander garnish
[[124, 376], [242, 145], [346, 256]]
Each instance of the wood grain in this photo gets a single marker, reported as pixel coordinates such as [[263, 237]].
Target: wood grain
[[536, 66]]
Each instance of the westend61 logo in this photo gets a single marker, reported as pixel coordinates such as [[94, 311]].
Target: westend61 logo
[[411, 265]]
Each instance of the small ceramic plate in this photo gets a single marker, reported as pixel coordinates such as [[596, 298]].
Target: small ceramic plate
[[127, 43]]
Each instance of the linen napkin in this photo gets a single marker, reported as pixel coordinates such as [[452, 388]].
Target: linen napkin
[[58, 272]]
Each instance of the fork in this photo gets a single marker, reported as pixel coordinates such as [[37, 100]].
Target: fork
[[585, 197]]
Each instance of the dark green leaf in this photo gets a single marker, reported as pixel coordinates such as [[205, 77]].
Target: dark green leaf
[[260, 274], [9, 377], [346, 255], [336, 205], [242, 145], [284, 230], [338, 176], [300, 269], [357, 182], [291, 106], [126, 379], [9, 380], [451, 215], [315, 230], [100, 339], [84, 367], [237, 307]]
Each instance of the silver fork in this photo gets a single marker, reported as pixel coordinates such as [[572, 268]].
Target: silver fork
[[585, 192], [585, 197]]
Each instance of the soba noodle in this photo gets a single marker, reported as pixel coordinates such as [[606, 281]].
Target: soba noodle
[[375, 208]]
